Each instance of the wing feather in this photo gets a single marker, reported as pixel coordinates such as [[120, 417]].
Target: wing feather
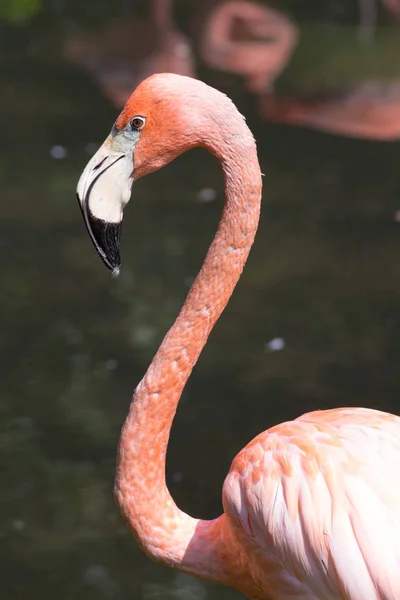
[[317, 502]]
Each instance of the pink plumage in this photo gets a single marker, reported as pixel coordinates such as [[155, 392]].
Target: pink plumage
[[312, 506]]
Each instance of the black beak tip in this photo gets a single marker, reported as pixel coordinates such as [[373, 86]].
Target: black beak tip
[[113, 263], [105, 237]]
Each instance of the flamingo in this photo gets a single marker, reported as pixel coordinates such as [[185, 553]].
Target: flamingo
[[127, 50], [260, 59], [370, 111], [393, 6], [311, 506]]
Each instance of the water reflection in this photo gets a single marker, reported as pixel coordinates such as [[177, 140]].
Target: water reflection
[[323, 278]]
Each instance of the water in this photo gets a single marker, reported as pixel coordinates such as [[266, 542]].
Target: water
[[314, 322]]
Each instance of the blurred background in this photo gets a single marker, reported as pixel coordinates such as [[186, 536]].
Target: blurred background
[[314, 322]]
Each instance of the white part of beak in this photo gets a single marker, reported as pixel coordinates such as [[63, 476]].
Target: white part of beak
[[106, 182], [103, 190]]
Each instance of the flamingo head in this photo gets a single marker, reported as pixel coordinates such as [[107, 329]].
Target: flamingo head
[[155, 126]]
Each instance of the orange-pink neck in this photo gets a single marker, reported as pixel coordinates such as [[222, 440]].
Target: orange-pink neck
[[202, 548]]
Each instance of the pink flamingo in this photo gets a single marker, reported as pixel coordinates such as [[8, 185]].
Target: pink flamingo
[[312, 506], [128, 50], [393, 6], [372, 111], [369, 16], [270, 38]]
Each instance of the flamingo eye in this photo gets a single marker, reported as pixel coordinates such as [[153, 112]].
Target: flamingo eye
[[137, 123]]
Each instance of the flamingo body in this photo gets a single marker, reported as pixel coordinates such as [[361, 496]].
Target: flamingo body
[[130, 49], [312, 506], [366, 112], [393, 6], [271, 39], [316, 503]]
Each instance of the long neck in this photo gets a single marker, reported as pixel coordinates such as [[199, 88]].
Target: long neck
[[162, 15], [166, 533]]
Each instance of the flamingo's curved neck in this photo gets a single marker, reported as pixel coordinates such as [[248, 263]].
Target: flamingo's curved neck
[[162, 15], [166, 533]]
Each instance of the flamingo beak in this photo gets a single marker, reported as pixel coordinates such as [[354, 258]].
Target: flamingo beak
[[104, 189]]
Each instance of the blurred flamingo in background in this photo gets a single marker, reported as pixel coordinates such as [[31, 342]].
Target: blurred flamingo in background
[[369, 16], [371, 111], [312, 506], [393, 6], [130, 49], [248, 39]]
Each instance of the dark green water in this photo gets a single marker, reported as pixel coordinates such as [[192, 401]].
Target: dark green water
[[323, 277]]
